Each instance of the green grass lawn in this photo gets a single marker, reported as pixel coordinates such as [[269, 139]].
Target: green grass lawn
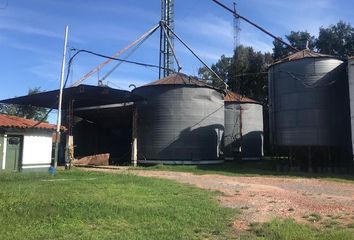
[[90, 205], [87, 205], [257, 168], [289, 230]]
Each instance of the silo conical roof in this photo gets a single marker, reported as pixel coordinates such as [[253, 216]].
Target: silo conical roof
[[306, 53], [235, 97], [180, 79]]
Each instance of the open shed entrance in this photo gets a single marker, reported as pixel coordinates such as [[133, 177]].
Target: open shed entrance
[[104, 129]]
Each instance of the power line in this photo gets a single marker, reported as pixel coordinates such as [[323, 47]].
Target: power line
[[129, 54], [122, 60]]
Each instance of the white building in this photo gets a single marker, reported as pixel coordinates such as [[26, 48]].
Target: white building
[[25, 146]]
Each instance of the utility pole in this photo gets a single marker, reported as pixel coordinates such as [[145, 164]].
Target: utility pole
[[57, 139]]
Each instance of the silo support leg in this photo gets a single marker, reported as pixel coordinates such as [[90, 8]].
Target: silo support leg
[[309, 161], [134, 157], [291, 159]]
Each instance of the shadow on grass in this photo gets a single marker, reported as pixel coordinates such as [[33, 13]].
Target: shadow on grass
[[254, 168]]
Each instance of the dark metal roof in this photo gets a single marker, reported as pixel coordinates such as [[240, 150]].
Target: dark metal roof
[[306, 53], [82, 96]]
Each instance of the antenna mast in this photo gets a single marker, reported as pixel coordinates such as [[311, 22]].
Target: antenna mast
[[166, 51], [237, 29]]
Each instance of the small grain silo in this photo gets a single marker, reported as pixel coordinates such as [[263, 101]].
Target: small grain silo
[[243, 137], [181, 121], [309, 104]]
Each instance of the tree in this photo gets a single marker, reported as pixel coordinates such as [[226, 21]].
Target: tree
[[221, 67], [337, 40], [244, 72], [247, 75], [29, 112], [296, 39]]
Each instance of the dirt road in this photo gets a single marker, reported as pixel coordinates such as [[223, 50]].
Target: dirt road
[[262, 198]]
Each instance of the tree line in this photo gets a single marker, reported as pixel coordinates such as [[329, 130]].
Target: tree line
[[246, 71]]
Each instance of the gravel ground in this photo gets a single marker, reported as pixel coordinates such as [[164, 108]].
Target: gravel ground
[[261, 199]]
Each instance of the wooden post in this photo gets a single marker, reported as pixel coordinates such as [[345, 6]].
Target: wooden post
[[134, 157], [69, 151]]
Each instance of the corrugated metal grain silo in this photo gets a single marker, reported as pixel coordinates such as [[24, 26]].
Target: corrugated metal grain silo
[[181, 121], [243, 135], [308, 101]]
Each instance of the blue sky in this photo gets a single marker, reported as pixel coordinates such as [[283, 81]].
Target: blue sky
[[31, 34]]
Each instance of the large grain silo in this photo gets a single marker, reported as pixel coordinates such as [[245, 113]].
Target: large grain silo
[[308, 103], [181, 121], [243, 135]]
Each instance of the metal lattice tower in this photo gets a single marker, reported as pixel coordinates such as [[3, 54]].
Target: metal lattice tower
[[237, 29], [166, 53]]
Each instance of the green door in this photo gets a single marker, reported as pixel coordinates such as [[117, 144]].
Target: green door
[[13, 152], [1, 149]]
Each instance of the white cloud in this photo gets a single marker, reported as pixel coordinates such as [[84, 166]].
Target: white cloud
[[21, 28], [119, 9], [211, 26], [34, 30], [297, 16], [49, 70], [256, 39]]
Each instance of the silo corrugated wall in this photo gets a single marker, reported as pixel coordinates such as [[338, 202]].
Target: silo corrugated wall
[[179, 123], [232, 135], [252, 131], [351, 96], [243, 130]]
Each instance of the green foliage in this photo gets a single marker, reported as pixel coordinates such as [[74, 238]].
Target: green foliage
[[247, 75], [29, 112], [244, 72], [221, 67], [337, 40], [296, 39], [87, 205]]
